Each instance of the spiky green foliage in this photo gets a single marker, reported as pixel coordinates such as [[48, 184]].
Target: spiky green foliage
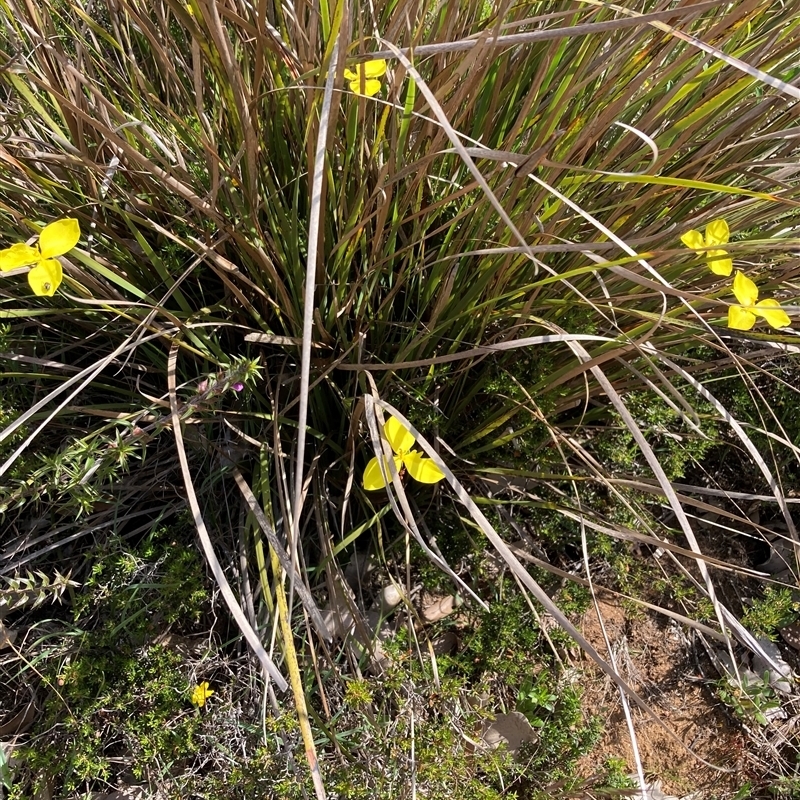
[[32, 590]]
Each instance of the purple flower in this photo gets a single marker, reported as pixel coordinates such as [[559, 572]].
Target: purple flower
[[238, 386]]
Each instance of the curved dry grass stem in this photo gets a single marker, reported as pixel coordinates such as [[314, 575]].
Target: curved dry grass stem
[[475, 352], [764, 77], [314, 237], [205, 539], [283, 557], [544, 35], [298, 689]]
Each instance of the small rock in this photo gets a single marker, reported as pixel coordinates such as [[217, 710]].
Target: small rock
[[445, 644], [358, 570], [389, 598], [337, 616], [781, 556], [436, 608], [512, 729], [7, 636]]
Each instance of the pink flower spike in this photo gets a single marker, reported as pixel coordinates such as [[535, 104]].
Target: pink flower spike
[[238, 386]]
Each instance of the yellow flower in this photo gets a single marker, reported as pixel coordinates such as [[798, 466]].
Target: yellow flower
[[201, 693], [45, 274], [401, 440], [717, 232], [368, 72], [743, 317]]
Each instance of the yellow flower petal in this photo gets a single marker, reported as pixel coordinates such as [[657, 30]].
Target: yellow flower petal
[[367, 72], [398, 436], [421, 468], [371, 87], [745, 290], [201, 693], [693, 239], [719, 263], [45, 277], [772, 312], [717, 232], [59, 237], [739, 319], [374, 68], [18, 255], [373, 477]]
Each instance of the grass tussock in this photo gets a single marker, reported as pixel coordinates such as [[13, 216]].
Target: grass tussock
[[492, 249]]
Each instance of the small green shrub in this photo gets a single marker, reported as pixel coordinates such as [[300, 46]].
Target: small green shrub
[[503, 639], [786, 787], [109, 702], [775, 609], [112, 696], [564, 735], [139, 590], [536, 697], [752, 698], [615, 774], [677, 446]]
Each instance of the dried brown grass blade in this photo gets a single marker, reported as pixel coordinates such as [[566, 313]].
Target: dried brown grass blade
[[546, 34], [205, 540], [283, 557]]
